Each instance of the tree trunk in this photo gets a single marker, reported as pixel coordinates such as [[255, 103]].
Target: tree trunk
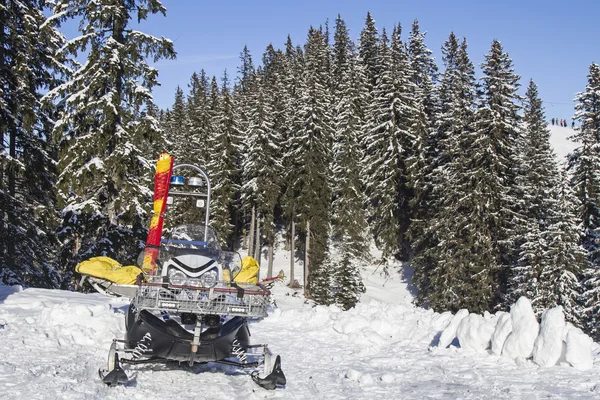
[[251, 233], [270, 268], [3, 126], [257, 246], [292, 250], [307, 261]]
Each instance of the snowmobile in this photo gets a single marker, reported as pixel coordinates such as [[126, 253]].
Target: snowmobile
[[187, 307]]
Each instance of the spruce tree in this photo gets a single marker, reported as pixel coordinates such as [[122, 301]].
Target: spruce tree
[[198, 127], [453, 127], [560, 280], [386, 174], [348, 219], [368, 48], [105, 175], [475, 214], [28, 68], [261, 160], [584, 164], [310, 150], [224, 168], [497, 124], [550, 261]]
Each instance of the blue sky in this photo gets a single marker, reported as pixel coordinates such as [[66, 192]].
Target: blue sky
[[552, 42]]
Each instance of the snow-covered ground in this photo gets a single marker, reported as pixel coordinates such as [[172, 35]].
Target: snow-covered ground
[[53, 342]]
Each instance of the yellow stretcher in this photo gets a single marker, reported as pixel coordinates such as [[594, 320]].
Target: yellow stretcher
[[110, 278]]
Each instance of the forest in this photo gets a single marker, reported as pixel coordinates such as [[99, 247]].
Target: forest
[[333, 144]]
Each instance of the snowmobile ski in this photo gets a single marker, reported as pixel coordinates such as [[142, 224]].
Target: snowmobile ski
[[274, 380], [115, 374]]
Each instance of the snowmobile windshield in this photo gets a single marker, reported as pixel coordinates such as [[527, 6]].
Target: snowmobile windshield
[[197, 242]]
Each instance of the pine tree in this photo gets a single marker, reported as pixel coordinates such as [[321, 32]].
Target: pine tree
[[262, 163], [423, 161], [348, 219], [199, 125], [475, 217], [497, 123], [275, 70], [368, 51], [550, 260], [223, 168], [105, 176], [175, 133], [584, 164], [386, 173], [309, 149], [28, 68], [560, 280], [454, 125]]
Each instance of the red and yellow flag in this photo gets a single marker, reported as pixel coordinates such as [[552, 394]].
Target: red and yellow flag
[[162, 181]]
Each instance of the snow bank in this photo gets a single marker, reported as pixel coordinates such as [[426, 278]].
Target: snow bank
[[525, 329], [548, 346], [519, 336]]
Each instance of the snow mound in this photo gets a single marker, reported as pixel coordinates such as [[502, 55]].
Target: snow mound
[[548, 346], [449, 333], [475, 332], [503, 329], [525, 329], [579, 349]]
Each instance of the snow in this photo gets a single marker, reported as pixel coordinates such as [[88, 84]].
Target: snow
[[475, 332], [525, 329], [548, 346], [559, 139], [449, 333], [54, 341], [503, 329], [578, 346]]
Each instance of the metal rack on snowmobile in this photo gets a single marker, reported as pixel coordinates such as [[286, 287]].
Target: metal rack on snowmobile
[[224, 298]]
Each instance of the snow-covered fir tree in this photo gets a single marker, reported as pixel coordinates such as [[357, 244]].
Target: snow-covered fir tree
[[454, 125], [174, 129], [568, 260], [310, 150], [275, 68], [28, 68], [584, 164], [368, 47], [104, 130], [199, 126], [475, 215], [261, 161], [425, 150], [385, 173], [551, 260], [348, 219], [223, 168], [497, 128]]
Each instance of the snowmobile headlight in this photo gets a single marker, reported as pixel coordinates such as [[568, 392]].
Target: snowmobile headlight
[[209, 278], [193, 282], [177, 277]]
